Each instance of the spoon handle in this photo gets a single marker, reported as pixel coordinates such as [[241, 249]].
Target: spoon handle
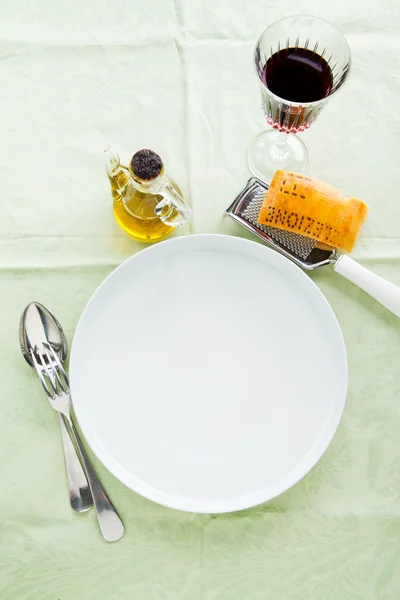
[[79, 492], [110, 524]]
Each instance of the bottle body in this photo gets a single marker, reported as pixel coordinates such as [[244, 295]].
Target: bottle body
[[134, 212]]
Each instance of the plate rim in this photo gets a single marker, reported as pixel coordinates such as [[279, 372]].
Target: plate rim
[[241, 502]]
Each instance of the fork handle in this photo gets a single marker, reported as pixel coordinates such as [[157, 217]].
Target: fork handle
[[110, 524], [79, 492]]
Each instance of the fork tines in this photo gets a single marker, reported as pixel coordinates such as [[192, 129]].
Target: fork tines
[[56, 380]]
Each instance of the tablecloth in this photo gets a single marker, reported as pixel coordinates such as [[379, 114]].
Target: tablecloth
[[177, 76]]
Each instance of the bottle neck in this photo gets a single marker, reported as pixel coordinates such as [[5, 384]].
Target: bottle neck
[[147, 186]]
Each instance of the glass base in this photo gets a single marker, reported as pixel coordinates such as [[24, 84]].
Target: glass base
[[273, 150]]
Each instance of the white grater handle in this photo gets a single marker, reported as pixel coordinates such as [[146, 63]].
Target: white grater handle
[[388, 294]]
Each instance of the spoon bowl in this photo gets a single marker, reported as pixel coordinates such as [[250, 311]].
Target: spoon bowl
[[38, 325]]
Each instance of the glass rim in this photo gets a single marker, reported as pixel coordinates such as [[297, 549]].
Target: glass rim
[[289, 102]]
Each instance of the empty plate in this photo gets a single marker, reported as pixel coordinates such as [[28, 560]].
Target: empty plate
[[208, 373]]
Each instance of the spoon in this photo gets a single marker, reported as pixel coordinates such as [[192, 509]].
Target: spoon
[[56, 385], [38, 325]]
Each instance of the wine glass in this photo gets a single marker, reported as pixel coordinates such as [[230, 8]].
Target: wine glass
[[300, 62]]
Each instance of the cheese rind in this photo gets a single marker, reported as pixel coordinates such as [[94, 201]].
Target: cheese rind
[[313, 208]]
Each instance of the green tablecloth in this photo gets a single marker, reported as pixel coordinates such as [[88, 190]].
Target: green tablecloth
[[177, 76]]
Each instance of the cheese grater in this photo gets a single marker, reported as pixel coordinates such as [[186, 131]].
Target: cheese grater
[[304, 251], [299, 248]]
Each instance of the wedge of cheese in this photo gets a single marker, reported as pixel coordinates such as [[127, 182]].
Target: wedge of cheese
[[313, 208]]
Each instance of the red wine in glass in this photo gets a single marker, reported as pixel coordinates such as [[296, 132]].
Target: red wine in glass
[[298, 75]]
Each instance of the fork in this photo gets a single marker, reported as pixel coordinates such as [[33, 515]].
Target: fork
[[56, 385]]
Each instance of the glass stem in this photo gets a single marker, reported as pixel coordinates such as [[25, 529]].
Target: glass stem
[[280, 150]]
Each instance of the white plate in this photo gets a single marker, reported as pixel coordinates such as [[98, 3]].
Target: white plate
[[208, 373]]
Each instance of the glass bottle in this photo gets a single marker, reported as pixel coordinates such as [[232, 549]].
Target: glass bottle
[[147, 205]]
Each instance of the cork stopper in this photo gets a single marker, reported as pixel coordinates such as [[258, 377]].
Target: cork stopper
[[146, 165]]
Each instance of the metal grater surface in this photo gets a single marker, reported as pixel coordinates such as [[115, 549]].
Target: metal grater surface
[[299, 248], [298, 244]]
